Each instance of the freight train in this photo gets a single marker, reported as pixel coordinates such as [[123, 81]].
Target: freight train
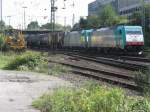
[[108, 39], [45, 40]]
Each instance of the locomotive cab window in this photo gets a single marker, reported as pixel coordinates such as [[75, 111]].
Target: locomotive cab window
[[120, 32], [134, 32]]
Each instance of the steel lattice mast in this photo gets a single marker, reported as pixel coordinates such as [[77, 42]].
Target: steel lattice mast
[[24, 17], [53, 10]]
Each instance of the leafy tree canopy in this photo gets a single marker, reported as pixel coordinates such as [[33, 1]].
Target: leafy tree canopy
[[108, 16], [48, 26], [93, 21], [138, 18], [33, 26], [2, 25], [83, 23], [76, 26]]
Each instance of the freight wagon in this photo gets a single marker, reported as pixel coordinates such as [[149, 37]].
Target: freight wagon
[[45, 40]]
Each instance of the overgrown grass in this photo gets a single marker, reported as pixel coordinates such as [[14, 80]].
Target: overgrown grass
[[5, 58], [143, 80], [29, 61], [93, 98], [57, 69]]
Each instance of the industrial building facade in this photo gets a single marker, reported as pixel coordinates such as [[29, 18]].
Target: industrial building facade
[[122, 7]]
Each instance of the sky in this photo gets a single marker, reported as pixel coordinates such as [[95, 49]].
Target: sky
[[39, 10]]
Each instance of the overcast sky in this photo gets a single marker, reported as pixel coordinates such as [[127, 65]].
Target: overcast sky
[[40, 10]]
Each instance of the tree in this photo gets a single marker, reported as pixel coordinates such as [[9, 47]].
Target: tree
[[93, 22], [67, 28], [122, 20], [147, 18], [33, 26], [137, 19], [108, 16], [2, 25], [9, 27], [90, 22], [48, 26], [83, 23], [76, 26]]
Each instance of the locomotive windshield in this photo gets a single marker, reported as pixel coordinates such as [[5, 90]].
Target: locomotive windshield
[[134, 32]]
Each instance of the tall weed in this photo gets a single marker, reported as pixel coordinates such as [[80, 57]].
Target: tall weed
[[143, 80], [90, 99], [57, 69], [28, 61]]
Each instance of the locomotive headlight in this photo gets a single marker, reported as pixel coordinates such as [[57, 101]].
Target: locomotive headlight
[[140, 53]]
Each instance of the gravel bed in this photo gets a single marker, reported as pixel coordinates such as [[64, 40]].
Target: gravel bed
[[78, 80], [77, 61]]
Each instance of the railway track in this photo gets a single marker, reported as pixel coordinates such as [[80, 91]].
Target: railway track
[[135, 66], [132, 58], [120, 78], [141, 59]]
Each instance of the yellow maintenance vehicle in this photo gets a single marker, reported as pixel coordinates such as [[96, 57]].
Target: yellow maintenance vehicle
[[15, 40]]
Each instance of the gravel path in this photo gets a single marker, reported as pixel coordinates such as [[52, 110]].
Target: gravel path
[[19, 89]]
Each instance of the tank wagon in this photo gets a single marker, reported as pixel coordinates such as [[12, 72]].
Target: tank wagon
[[45, 40], [37, 40], [120, 39]]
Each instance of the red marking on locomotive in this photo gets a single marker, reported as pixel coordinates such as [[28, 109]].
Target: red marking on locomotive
[[134, 43]]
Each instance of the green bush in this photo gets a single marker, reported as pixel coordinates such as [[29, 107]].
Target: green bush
[[28, 61], [90, 99], [6, 58]]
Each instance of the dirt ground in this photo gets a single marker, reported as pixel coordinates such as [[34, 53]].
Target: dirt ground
[[19, 89]]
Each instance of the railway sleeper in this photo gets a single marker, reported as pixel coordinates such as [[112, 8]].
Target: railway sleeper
[[106, 72], [130, 84], [111, 62]]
